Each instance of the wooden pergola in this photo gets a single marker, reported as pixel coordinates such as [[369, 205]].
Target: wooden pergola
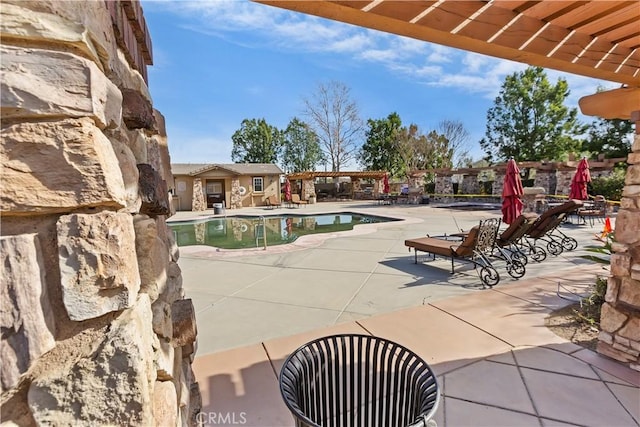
[[599, 39], [308, 179], [311, 175]]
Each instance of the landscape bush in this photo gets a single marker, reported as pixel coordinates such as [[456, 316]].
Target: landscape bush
[[610, 187]]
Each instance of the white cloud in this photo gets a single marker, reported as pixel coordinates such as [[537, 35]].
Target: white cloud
[[440, 54], [248, 23]]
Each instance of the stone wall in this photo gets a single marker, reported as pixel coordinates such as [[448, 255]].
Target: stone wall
[[563, 181], [498, 184], [545, 179], [444, 184], [470, 184], [620, 321], [95, 327]]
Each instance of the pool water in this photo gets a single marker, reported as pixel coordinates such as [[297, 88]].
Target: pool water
[[240, 232]]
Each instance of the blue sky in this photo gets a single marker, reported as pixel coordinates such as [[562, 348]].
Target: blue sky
[[218, 62]]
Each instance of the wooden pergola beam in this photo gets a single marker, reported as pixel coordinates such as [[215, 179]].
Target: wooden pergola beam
[[611, 104]]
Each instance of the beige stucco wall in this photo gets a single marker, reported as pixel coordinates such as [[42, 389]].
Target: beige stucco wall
[[249, 199]]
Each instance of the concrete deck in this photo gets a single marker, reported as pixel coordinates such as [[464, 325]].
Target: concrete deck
[[497, 364]]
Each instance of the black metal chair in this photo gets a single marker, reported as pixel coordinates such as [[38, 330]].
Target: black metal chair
[[358, 380]]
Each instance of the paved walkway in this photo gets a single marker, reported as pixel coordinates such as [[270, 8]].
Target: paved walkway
[[497, 364]]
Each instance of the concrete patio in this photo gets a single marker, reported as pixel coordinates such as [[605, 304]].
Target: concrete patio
[[497, 364]]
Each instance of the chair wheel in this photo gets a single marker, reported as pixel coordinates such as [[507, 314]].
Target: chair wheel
[[515, 268], [489, 276], [569, 243], [538, 254], [554, 248], [520, 257]]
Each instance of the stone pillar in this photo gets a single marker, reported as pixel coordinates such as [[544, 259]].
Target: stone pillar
[[198, 203], [564, 175], [620, 320], [308, 188], [88, 263], [498, 183], [236, 197], [546, 178], [355, 185], [444, 184], [470, 184]]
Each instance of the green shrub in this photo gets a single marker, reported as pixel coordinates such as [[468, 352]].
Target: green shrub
[[591, 306], [610, 187], [430, 188]]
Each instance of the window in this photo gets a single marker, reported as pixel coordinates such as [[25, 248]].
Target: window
[[258, 184]]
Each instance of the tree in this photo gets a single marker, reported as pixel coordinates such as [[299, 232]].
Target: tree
[[256, 142], [379, 149], [334, 117], [611, 137], [529, 120], [458, 138], [419, 151], [302, 150]]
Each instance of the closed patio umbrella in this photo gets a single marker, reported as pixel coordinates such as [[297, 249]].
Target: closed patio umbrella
[[580, 180], [287, 191], [385, 184], [511, 193]]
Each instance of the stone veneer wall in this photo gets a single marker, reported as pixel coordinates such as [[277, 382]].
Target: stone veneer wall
[[498, 183], [620, 321], [545, 179], [198, 203], [443, 184], [563, 181], [470, 184], [95, 327]]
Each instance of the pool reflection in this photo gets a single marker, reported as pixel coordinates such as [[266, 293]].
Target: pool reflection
[[249, 232]]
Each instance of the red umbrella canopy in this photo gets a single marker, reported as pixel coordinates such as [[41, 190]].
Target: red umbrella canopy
[[511, 193], [385, 184], [287, 190], [580, 180]]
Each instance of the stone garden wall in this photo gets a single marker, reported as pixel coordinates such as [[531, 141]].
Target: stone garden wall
[[95, 327]]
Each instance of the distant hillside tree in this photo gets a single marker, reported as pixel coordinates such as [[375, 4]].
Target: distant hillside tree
[[379, 149], [529, 120], [334, 117], [611, 137], [301, 150], [256, 142]]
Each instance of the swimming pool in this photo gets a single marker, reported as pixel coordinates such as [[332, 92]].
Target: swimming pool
[[240, 232]]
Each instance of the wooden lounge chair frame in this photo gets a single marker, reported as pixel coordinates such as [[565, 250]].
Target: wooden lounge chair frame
[[475, 248], [295, 199], [272, 202]]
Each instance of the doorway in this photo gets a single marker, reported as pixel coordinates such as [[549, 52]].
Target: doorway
[[215, 192]]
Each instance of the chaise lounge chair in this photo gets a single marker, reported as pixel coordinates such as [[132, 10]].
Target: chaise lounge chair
[[510, 238], [272, 202], [295, 199], [545, 229], [475, 248]]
